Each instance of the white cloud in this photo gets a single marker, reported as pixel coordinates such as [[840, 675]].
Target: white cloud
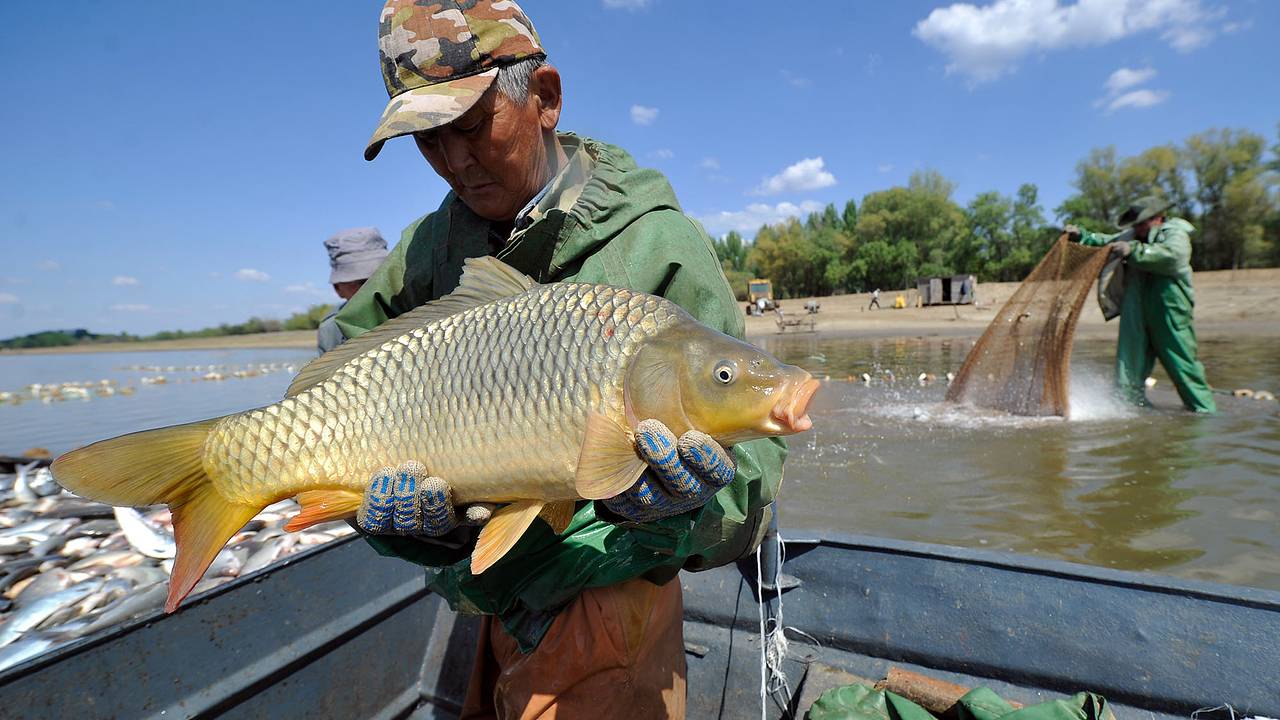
[[625, 4], [884, 168], [1138, 99], [1122, 90], [306, 288], [750, 218], [983, 43], [709, 163], [124, 280], [49, 265], [642, 115], [131, 307], [663, 154], [1232, 28], [808, 174], [252, 275], [796, 80], [105, 205], [1125, 78], [8, 299]]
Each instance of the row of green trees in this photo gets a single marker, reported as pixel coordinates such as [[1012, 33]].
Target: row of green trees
[[1220, 180], [306, 320]]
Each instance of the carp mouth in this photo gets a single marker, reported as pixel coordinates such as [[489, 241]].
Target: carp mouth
[[791, 412]]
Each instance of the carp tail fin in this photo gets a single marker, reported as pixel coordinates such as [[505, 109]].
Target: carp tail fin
[[160, 466]]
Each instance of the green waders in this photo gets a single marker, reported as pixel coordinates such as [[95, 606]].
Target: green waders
[[1155, 322], [1155, 315]]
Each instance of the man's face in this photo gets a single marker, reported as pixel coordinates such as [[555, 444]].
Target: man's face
[[494, 156], [347, 289], [1143, 229]]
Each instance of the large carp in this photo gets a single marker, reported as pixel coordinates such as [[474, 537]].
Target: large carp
[[510, 391]]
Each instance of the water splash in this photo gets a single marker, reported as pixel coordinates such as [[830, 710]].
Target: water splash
[[1093, 398]]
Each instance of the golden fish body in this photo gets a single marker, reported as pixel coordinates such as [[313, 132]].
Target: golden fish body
[[493, 400], [509, 391]]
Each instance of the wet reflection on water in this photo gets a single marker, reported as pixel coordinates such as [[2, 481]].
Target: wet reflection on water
[[1157, 490]]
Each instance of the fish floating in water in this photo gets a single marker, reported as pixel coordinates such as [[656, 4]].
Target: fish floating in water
[[511, 391]]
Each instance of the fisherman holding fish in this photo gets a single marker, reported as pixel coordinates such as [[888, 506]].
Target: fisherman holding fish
[[1157, 302], [471, 84], [584, 396]]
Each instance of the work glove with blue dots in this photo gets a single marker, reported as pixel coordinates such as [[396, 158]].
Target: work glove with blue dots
[[405, 500], [683, 474]]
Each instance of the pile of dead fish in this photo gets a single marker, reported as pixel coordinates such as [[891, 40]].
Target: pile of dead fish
[[70, 568]]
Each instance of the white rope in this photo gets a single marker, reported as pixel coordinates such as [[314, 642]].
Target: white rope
[[773, 637], [764, 676]]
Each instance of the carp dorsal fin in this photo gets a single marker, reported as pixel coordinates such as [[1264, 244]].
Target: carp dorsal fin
[[501, 532], [484, 280], [608, 463]]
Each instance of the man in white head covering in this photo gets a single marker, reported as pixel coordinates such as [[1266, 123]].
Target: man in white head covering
[[353, 256]]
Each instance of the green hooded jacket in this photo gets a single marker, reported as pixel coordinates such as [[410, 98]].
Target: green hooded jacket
[[603, 220], [1158, 270]]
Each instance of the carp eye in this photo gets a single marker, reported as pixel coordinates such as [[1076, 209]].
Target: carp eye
[[724, 372]]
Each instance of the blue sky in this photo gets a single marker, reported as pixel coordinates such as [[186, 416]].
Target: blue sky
[[178, 165]]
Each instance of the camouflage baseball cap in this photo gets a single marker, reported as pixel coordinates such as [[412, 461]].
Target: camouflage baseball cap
[[440, 56]]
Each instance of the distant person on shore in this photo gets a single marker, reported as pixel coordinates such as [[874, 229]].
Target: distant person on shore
[[1155, 314], [875, 299], [353, 256]]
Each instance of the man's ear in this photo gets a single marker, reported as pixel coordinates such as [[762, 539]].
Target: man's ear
[[544, 89]]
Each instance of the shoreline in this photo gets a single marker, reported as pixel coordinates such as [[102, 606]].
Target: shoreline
[[1228, 302]]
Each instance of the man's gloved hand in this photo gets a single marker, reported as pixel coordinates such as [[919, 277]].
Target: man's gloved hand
[[1121, 248], [1073, 232], [406, 501], [683, 474]]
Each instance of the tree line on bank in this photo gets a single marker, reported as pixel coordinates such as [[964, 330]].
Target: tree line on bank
[[1222, 181], [306, 320]]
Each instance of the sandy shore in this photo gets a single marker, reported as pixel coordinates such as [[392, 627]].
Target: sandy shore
[[286, 339], [1227, 303]]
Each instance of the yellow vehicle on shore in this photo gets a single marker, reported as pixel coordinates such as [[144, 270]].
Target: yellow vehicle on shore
[[759, 289]]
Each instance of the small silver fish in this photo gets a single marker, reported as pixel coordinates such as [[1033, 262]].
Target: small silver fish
[[143, 599], [21, 485], [143, 536], [23, 650], [32, 615]]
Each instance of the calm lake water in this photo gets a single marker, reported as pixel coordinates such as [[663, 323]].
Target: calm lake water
[[1156, 490]]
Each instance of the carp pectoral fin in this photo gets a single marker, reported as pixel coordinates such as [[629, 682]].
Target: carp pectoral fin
[[558, 515], [501, 532], [608, 463], [322, 506]]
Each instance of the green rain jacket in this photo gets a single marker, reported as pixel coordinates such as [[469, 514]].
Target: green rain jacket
[[603, 220], [1158, 271]]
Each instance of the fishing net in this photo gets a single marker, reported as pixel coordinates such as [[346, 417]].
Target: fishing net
[[1020, 364]]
